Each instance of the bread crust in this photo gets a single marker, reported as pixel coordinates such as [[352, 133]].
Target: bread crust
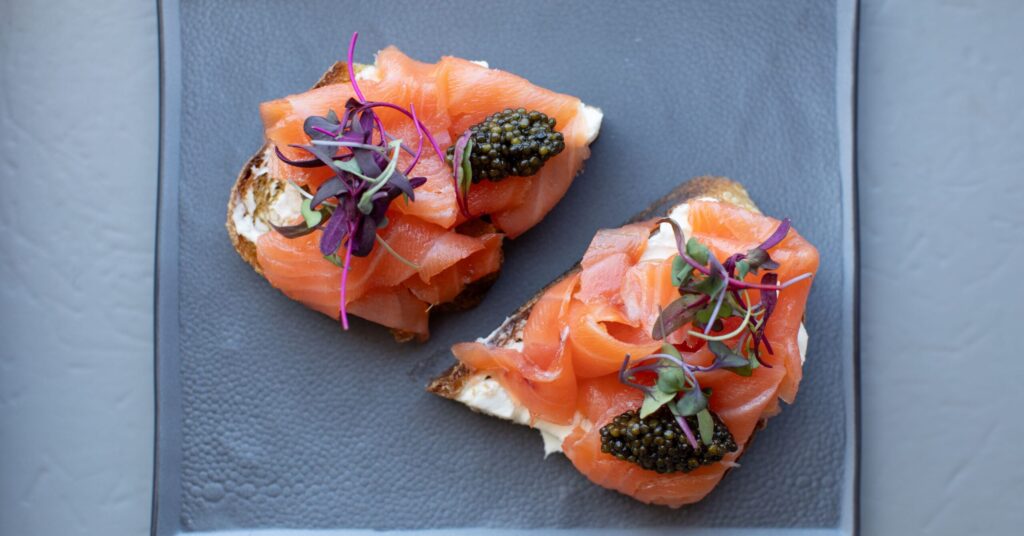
[[450, 382], [265, 189]]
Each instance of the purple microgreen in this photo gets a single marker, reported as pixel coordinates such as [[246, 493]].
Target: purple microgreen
[[366, 201], [706, 426], [315, 163], [780, 233], [677, 314], [294, 231], [732, 283], [769, 298], [364, 159], [758, 258], [334, 234], [321, 127], [334, 187]]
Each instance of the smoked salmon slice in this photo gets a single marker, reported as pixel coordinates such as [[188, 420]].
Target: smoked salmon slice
[[608, 308]]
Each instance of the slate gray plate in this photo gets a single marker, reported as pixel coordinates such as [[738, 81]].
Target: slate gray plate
[[269, 417]]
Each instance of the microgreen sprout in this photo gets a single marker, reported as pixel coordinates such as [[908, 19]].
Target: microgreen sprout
[[351, 206], [710, 292]]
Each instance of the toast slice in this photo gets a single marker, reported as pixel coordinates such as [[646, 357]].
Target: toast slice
[[484, 394], [258, 201]]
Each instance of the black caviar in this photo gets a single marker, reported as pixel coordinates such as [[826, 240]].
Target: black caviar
[[512, 142], [658, 443]]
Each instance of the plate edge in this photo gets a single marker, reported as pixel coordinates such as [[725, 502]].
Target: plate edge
[[166, 496]]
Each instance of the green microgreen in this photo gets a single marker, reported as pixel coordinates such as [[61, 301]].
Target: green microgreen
[[711, 292]]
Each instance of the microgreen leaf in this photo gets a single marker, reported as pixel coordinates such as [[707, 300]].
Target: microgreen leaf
[[704, 315], [742, 269], [334, 259], [681, 272], [777, 236], [725, 357], [667, 348], [697, 251], [758, 258], [692, 402], [467, 168], [654, 401], [677, 314], [671, 380], [706, 426], [312, 217], [333, 235], [710, 285]]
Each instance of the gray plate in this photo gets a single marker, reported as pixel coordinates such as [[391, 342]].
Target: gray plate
[[270, 417]]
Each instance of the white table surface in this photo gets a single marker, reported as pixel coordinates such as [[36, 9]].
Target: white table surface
[[941, 171]]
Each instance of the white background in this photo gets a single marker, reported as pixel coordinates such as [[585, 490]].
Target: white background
[[941, 171]]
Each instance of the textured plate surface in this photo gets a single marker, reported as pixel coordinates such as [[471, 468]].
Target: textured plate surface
[[270, 417]]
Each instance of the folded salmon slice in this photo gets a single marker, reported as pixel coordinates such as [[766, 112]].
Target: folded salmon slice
[[448, 97], [607, 310]]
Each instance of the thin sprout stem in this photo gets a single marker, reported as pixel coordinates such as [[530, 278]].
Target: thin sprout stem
[[351, 69], [401, 259], [419, 132], [645, 368], [430, 138], [343, 308], [727, 336], [686, 430], [351, 144], [718, 307], [667, 357], [738, 284], [383, 178], [302, 192]]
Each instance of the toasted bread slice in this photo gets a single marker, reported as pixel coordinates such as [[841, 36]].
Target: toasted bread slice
[[259, 200], [483, 394]]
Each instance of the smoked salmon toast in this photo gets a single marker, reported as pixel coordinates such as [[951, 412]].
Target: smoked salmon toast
[[386, 191], [652, 362]]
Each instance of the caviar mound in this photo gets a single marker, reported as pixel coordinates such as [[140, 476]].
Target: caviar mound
[[657, 443], [511, 143]]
